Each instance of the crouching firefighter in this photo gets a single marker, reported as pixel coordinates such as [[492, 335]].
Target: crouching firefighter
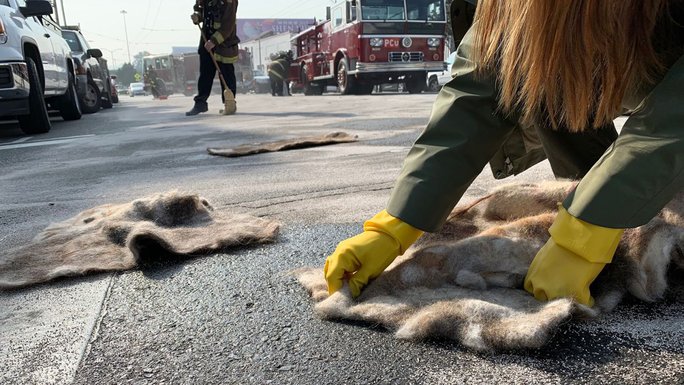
[[277, 72], [219, 39]]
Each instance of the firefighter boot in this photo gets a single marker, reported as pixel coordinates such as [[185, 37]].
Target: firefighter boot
[[198, 108]]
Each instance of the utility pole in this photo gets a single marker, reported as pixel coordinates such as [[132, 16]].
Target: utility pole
[[63, 14], [54, 7], [123, 12], [111, 54]]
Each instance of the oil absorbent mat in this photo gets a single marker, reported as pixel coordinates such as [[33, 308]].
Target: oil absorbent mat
[[119, 236], [465, 282], [284, 145]]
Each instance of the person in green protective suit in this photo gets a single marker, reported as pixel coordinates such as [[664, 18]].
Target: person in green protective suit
[[535, 82]]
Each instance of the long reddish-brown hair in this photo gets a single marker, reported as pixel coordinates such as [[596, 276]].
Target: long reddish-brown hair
[[567, 62]]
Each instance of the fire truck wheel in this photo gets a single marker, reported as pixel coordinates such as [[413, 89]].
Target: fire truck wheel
[[345, 83], [415, 85], [309, 88]]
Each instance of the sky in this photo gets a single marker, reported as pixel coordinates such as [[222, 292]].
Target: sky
[[157, 25]]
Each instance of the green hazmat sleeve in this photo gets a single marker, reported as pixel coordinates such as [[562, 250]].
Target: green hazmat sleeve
[[464, 132], [643, 170]]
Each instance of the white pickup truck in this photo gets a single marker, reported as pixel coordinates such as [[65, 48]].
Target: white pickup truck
[[36, 67]]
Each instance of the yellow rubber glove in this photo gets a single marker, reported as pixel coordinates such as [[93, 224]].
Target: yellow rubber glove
[[365, 256], [571, 259]]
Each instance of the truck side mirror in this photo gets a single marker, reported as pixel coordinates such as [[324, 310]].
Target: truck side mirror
[[327, 13], [96, 53], [36, 8]]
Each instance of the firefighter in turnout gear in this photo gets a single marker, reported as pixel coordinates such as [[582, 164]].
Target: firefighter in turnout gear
[[218, 18], [277, 73], [157, 88]]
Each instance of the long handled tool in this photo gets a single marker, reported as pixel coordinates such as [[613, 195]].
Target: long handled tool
[[229, 105]]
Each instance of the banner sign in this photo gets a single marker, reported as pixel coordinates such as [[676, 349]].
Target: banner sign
[[250, 29]]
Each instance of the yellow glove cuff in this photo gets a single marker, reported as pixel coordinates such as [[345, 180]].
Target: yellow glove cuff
[[401, 231], [593, 243]]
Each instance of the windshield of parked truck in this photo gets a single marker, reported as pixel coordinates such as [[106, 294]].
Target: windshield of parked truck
[[72, 39], [428, 10], [382, 10]]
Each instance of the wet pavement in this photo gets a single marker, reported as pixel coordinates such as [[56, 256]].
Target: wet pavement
[[240, 317]]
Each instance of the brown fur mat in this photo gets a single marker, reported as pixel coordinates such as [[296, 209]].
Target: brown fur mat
[[465, 282], [283, 145], [118, 236]]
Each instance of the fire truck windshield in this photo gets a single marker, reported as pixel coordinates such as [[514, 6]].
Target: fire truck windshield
[[418, 10], [428, 10], [382, 10]]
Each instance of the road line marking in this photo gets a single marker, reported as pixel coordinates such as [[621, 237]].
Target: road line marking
[[21, 140], [48, 142], [69, 137]]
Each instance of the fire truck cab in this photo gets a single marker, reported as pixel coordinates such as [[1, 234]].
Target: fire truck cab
[[169, 72], [364, 43]]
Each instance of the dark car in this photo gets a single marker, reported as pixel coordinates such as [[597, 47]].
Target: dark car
[[113, 87], [92, 74]]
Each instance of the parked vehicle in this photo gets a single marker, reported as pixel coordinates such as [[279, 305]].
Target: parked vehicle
[[92, 74], [121, 89], [36, 67], [368, 42], [136, 89], [113, 88], [437, 79], [262, 83]]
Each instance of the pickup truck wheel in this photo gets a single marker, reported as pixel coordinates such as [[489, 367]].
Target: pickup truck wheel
[[69, 105], [433, 84], [345, 83], [37, 121], [91, 102]]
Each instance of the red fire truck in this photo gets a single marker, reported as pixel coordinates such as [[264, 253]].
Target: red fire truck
[[244, 73], [369, 42], [169, 71]]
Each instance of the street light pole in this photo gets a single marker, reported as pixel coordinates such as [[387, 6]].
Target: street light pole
[[123, 12], [61, 5], [56, 10], [111, 54]]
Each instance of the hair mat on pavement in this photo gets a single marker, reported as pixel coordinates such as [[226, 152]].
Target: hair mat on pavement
[[465, 282], [115, 237], [284, 145]]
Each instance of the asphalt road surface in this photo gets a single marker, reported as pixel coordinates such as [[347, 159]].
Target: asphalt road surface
[[239, 318]]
